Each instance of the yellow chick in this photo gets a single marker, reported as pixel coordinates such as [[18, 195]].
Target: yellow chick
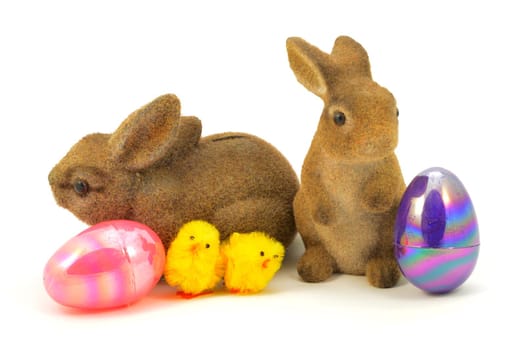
[[251, 260], [193, 260]]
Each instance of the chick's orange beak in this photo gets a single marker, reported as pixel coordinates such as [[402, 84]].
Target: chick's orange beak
[[265, 263], [194, 248]]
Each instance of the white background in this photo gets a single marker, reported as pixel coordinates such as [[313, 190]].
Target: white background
[[456, 68]]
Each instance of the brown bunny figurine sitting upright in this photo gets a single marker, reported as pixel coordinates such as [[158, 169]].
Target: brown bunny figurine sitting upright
[[351, 183], [156, 169]]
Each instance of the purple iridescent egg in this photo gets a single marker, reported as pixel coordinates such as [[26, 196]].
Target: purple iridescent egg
[[436, 232]]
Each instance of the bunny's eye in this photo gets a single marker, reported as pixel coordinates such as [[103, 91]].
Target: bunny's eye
[[81, 187], [339, 118], [397, 112]]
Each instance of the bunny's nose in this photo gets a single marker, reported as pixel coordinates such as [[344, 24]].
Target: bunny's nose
[[52, 177]]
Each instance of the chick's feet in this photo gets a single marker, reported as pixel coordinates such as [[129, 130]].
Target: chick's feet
[[186, 295]]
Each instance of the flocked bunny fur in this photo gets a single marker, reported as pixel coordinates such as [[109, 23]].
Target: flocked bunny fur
[[351, 183], [156, 169]]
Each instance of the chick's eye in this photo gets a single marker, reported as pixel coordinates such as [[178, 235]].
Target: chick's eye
[[339, 118], [262, 253], [192, 238], [207, 246], [81, 187]]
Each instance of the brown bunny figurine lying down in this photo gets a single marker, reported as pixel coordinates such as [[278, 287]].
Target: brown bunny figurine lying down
[[156, 169], [351, 183]]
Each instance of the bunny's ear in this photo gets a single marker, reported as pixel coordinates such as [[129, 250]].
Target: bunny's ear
[[148, 135], [352, 57], [309, 64]]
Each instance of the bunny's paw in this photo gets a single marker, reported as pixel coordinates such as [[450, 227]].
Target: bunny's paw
[[382, 273], [316, 265], [324, 215], [377, 197]]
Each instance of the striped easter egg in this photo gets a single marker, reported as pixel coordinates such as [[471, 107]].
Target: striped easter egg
[[436, 232], [111, 264]]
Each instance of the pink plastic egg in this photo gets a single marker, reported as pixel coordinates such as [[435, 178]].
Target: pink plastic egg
[[110, 264]]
